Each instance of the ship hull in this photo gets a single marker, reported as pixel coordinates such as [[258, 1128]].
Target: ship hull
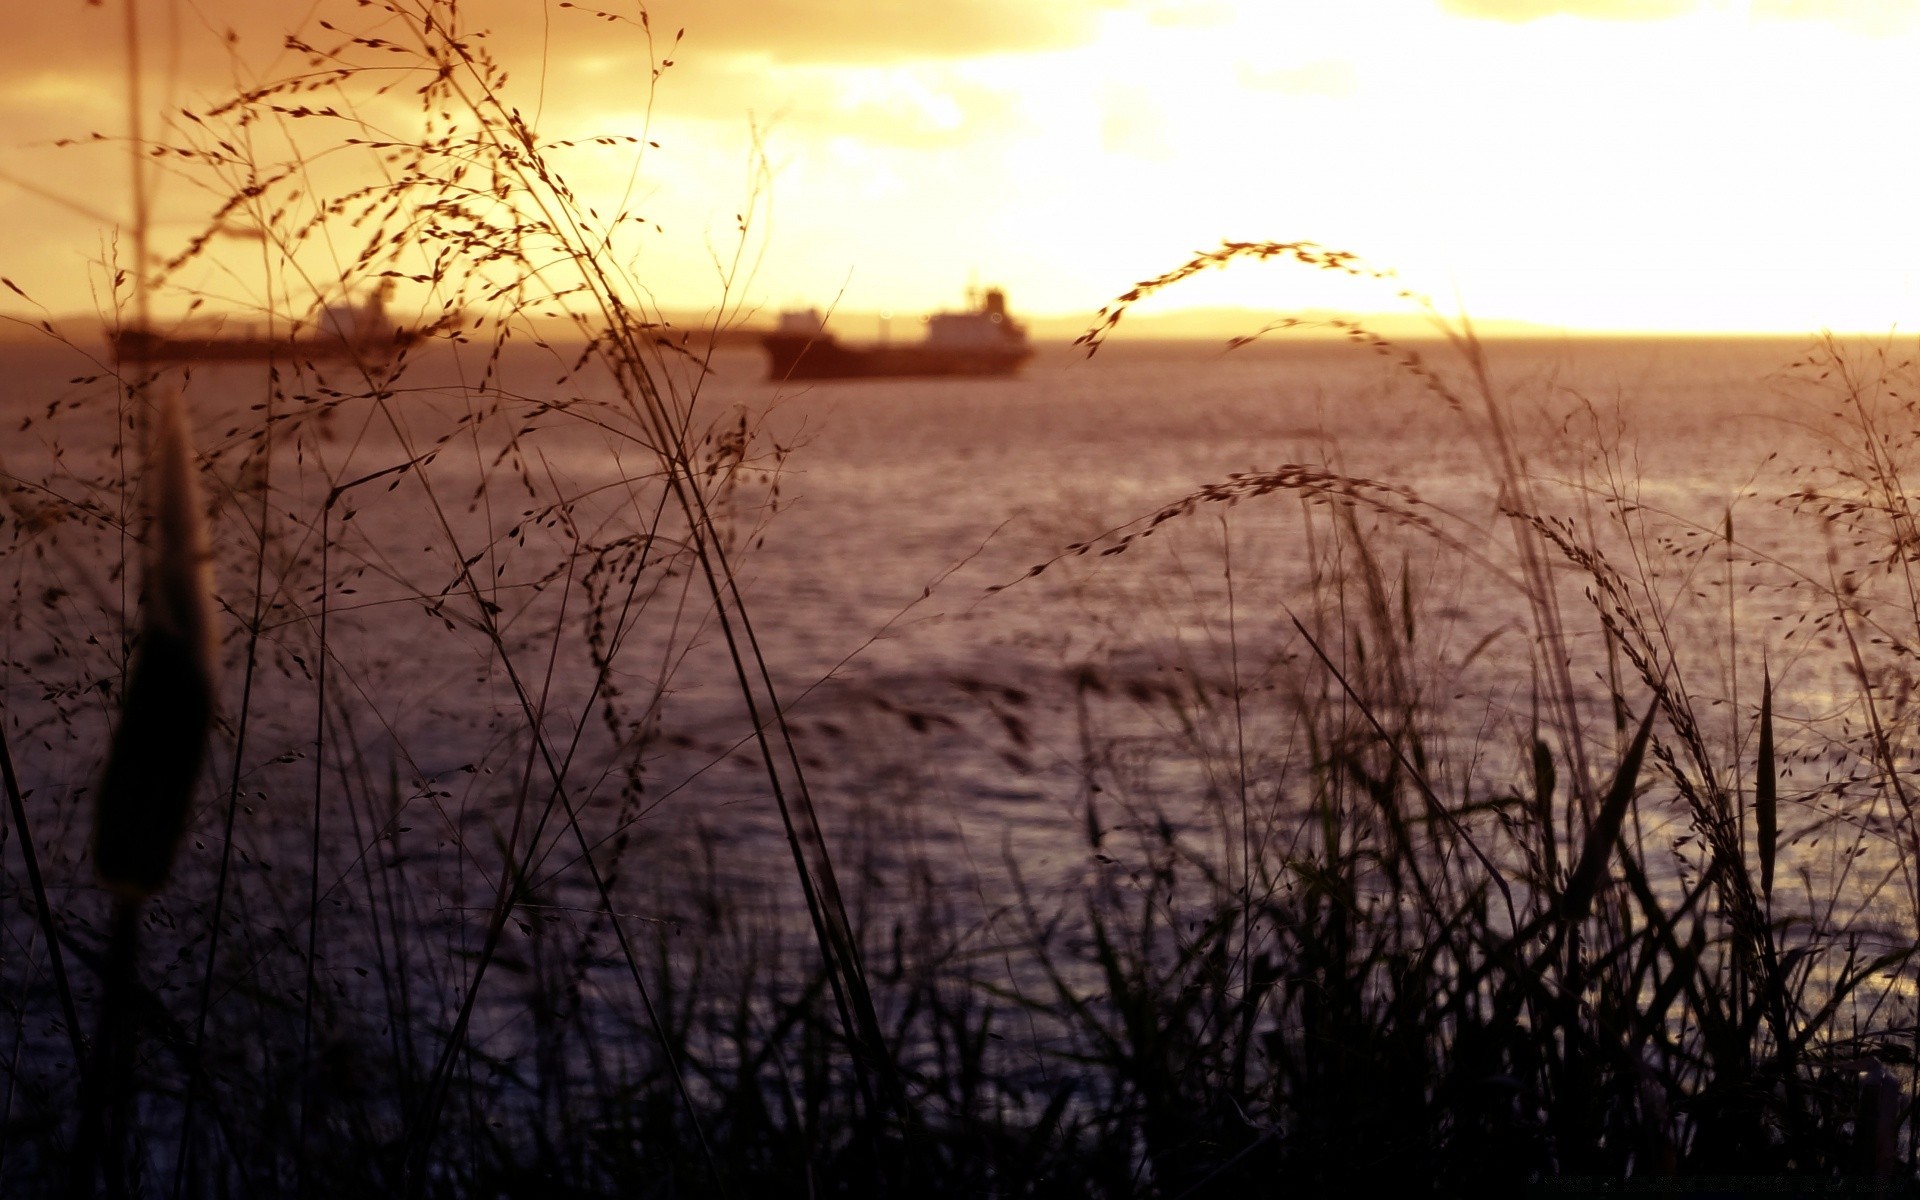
[[135, 345], [819, 356]]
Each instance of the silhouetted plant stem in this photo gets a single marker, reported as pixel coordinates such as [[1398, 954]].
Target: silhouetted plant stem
[[313, 857], [106, 1106], [184, 1154], [43, 911]]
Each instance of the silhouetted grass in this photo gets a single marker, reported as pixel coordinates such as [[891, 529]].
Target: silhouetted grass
[[1330, 932]]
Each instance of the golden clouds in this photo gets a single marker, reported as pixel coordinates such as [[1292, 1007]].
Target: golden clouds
[[1325, 77], [1871, 17], [830, 31], [1505, 147], [1599, 10], [930, 105]]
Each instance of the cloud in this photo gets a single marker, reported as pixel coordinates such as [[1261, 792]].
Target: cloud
[[62, 72], [921, 105], [1134, 122], [878, 69], [204, 46], [865, 31], [1331, 77], [1517, 11], [1872, 17], [790, 30], [1203, 14]]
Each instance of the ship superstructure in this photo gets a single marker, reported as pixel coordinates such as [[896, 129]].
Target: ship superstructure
[[344, 330]]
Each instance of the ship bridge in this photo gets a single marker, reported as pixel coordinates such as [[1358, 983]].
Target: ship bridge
[[987, 325]]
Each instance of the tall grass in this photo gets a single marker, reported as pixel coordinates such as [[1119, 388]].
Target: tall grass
[[1526, 971], [1331, 930], [459, 198]]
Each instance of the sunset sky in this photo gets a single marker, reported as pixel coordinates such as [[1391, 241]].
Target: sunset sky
[[1588, 164]]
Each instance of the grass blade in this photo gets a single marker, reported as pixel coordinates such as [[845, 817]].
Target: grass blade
[[1578, 898], [1765, 792]]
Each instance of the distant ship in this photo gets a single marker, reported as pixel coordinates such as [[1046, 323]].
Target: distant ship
[[984, 340], [348, 330]]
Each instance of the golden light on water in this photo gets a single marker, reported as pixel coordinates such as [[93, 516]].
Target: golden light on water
[[1589, 164]]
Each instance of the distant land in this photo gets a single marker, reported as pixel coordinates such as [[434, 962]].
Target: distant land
[[1186, 324]]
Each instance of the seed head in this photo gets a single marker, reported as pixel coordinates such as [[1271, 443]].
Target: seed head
[[146, 791]]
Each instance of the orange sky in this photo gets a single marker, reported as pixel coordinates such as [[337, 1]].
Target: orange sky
[[1626, 164]]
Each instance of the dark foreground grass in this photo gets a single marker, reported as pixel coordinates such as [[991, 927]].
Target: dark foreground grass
[[1662, 930]]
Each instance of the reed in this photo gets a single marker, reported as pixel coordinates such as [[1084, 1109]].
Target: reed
[[154, 760], [146, 790]]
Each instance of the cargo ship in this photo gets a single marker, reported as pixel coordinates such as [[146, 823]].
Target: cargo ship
[[983, 340], [362, 331]]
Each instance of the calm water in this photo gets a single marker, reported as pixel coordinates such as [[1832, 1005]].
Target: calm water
[[1028, 732]]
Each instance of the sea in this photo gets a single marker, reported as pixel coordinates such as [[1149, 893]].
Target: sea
[[1030, 635]]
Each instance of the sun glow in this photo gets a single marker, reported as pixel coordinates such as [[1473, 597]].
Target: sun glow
[[1725, 168], [1670, 164]]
